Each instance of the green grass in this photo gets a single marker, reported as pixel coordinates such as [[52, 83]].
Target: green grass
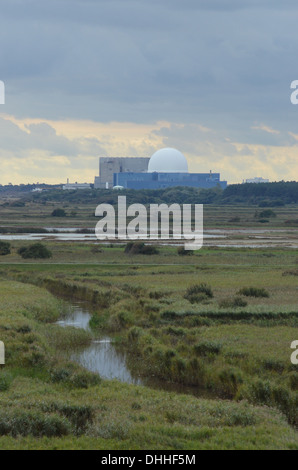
[[239, 354]]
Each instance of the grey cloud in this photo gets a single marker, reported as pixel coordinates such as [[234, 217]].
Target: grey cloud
[[44, 138], [226, 64]]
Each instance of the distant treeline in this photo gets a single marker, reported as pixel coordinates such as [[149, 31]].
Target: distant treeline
[[19, 190], [264, 195], [272, 193]]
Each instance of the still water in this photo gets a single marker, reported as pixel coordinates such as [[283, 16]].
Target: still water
[[101, 355], [104, 357]]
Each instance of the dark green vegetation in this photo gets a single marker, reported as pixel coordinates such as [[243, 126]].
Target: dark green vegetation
[[4, 248], [253, 292], [35, 251], [265, 195], [139, 248], [58, 212]]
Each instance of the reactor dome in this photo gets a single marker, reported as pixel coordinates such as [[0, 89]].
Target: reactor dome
[[168, 160]]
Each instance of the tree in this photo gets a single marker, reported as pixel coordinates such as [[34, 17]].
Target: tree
[[36, 251], [4, 248], [58, 212]]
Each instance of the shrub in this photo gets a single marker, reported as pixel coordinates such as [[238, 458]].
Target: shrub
[[205, 348], [198, 293], [85, 379], [158, 294], [35, 358], [120, 320], [230, 378], [36, 251], [58, 212], [233, 303], [60, 375], [28, 423], [265, 214], [253, 292], [80, 416], [139, 248], [293, 379], [4, 248], [5, 381], [274, 365], [260, 392], [135, 333]]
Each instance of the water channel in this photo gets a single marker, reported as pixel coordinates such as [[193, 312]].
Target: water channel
[[104, 357]]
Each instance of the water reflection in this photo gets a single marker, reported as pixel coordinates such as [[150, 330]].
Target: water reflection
[[101, 355], [77, 317], [110, 361], [102, 358]]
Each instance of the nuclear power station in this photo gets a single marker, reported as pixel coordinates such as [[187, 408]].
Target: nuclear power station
[[110, 166], [166, 168]]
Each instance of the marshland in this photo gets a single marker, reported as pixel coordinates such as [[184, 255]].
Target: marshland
[[206, 336]]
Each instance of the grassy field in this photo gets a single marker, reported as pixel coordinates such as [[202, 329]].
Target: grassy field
[[47, 403], [38, 214]]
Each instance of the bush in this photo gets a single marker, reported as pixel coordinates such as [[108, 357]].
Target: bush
[[230, 378], [253, 292], [85, 379], [80, 416], [36, 251], [29, 423], [206, 348], [139, 248], [60, 375], [5, 381], [58, 213], [198, 293], [293, 379], [233, 303], [4, 248], [267, 214], [274, 365]]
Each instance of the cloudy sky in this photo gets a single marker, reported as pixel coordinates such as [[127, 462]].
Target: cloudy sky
[[90, 78]]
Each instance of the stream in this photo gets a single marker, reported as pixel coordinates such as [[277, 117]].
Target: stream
[[101, 355], [104, 357]]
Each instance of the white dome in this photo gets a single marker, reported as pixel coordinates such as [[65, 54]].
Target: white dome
[[168, 160]]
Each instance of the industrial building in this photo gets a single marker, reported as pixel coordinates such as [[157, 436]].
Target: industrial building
[[71, 186], [109, 166], [257, 180], [166, 168]]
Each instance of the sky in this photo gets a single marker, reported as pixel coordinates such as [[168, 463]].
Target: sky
[[91, 78]]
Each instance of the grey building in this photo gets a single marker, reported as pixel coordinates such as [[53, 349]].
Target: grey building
[[108, 166]]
